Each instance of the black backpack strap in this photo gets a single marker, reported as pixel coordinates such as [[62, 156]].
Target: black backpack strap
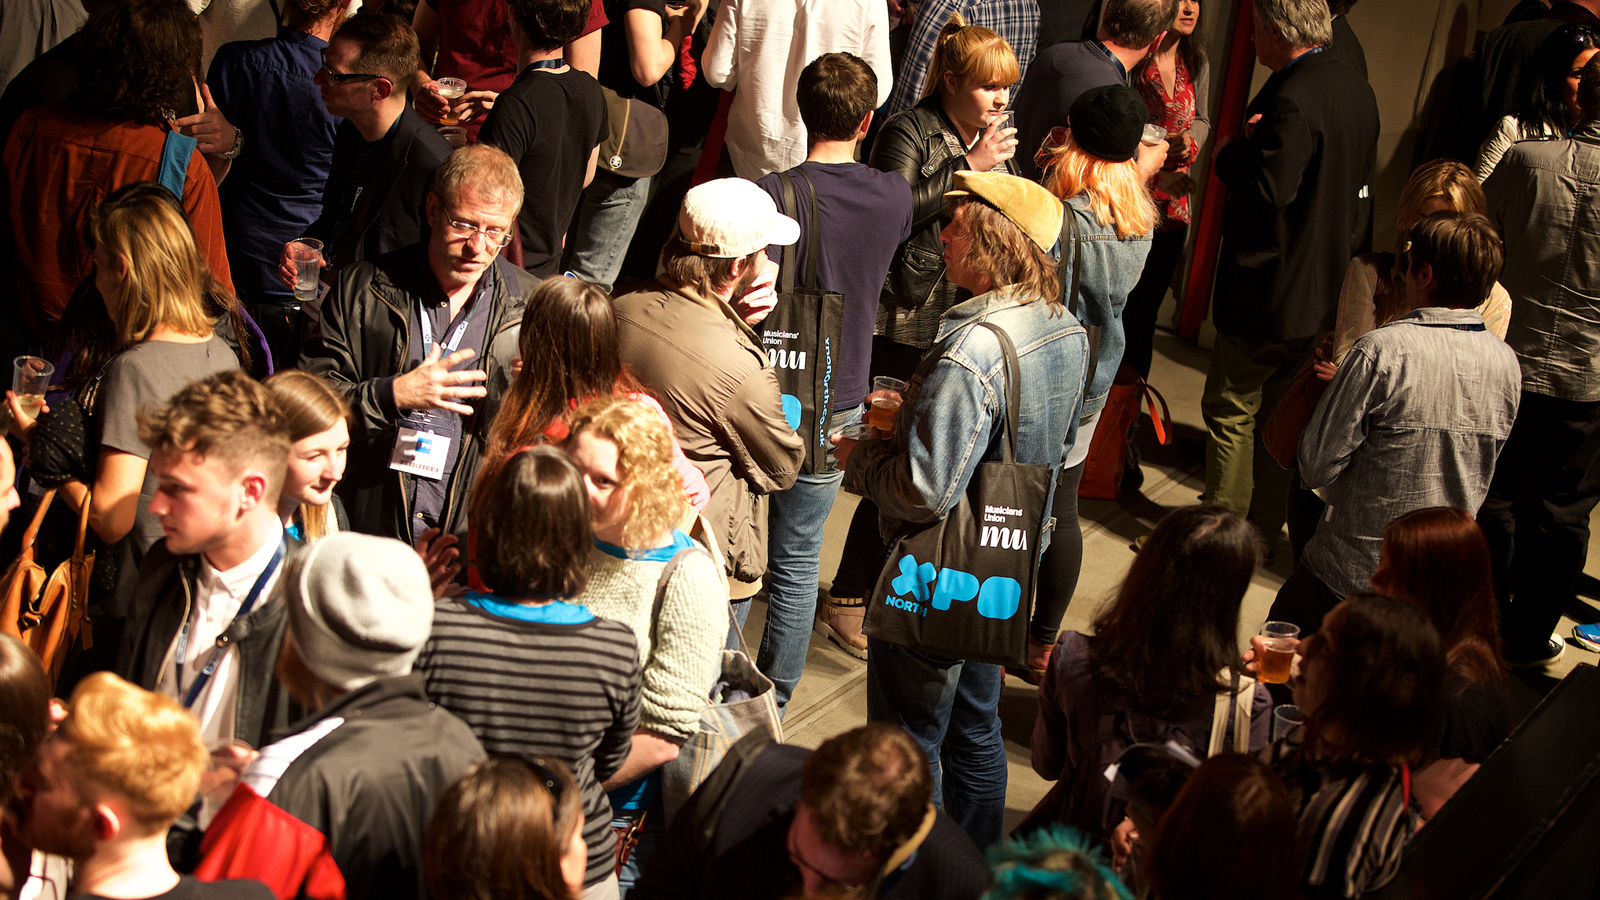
[[1069, 230]]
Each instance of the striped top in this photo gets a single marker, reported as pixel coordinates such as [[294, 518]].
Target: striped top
[[552, 681], [1354, 824]]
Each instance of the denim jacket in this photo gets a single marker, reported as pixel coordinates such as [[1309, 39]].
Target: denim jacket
[[1542, 198], [1111, 267], [954, 411], [1415, 417]]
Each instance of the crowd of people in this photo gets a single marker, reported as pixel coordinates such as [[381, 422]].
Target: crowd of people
[[426, 412]]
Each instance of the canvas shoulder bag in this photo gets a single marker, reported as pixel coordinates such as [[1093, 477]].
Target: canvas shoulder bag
[[962, 587], [801, 336], [743, 700]]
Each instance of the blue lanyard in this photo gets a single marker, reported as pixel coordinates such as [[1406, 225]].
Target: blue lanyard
[[455, 337], [216, 655], [556, 63]]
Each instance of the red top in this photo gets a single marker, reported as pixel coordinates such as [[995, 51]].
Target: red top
[[1173, 112]]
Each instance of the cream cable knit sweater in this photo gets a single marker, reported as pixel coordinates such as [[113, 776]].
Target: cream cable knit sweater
[[682, 658]]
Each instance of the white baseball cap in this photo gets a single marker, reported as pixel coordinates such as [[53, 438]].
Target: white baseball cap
[[731, 217]]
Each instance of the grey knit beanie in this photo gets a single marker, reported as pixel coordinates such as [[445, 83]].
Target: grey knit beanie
[[360, 608]]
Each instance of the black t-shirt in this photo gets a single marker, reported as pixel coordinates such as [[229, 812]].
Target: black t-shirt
[[615, 71], [1477, 717], [549, 121], [191, 888]]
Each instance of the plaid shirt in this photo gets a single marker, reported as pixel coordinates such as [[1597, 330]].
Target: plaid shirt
[[1015, 20]]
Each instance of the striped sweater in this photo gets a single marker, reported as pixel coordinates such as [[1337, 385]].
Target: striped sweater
[[568, 691]]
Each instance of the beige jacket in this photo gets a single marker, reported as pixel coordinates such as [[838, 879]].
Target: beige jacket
[[707, 368]]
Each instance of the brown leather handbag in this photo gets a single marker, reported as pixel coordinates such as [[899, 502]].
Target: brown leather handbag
[[48, 613]]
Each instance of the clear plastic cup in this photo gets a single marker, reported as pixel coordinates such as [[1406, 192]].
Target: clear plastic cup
[[307, 256], [30, 376]]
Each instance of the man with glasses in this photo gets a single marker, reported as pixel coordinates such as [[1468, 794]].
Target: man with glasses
[[396, 336], [383, 152]]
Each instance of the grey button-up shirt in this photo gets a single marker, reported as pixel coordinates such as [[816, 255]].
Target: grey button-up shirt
[[1415, 418], [1542, 197]]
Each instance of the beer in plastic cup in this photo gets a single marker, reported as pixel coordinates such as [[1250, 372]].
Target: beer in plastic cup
[[1287, 720], [451, 89], [883, 404], [1276, 659]]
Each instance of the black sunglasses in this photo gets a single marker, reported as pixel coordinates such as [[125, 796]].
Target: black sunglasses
[[338, 78]]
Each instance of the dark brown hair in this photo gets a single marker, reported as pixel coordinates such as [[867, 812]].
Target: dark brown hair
[[138, 60], [499, 832], [835, 92], [1438, 559], [867, 790], [1385, 671], [550, 23], [534, 538], [1002, 251], [1230, 832], [1136, 24], [1465, 253], [24, 710], [1175, 624], [385, 45]]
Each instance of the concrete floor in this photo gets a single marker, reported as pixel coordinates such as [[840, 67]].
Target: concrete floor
[[831, 697]]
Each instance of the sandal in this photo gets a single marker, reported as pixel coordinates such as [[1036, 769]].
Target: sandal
[[840, 621]]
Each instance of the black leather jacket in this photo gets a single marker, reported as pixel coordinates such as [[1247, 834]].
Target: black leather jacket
[[363, 342], [924, 147]]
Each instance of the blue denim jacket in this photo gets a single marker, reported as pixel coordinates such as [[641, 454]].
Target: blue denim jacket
[[954, 410], [1111, 267]]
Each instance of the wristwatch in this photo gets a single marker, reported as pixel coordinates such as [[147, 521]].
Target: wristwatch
[[237, 148]]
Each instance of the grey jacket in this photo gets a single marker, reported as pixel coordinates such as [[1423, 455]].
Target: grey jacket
[[1542, 197], [708, 370], [364, 341], [1415, 418]]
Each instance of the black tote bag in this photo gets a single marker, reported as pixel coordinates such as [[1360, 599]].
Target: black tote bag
[[801, 337], [962, 587]]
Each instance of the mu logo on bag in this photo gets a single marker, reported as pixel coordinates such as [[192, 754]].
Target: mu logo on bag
[[921, 587]]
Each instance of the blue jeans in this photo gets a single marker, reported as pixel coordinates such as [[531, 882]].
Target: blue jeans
[[608, 213], [952, 709], [794, 548]]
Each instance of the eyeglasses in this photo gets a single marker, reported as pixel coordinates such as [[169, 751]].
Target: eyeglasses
[[340, 78], [467, 231]]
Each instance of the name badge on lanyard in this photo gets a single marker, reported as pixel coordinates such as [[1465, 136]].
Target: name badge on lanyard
[[419, 448]]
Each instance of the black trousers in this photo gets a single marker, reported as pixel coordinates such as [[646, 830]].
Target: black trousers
[[1303, 600], [1144, 301], [1536, 517]]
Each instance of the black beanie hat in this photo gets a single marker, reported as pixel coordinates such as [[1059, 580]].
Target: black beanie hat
[[1108, 121]]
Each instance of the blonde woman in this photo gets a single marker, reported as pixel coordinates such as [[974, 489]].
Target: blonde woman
[[624, 452], [1372, 296], [150, 275], [319, 426], [1092, 166]]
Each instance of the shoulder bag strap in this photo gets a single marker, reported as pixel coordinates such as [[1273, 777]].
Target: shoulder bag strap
[[787, 264], [1013, 388], [38, 519], [83, 526], [813, 229], [175, 154], [1242, 701]]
